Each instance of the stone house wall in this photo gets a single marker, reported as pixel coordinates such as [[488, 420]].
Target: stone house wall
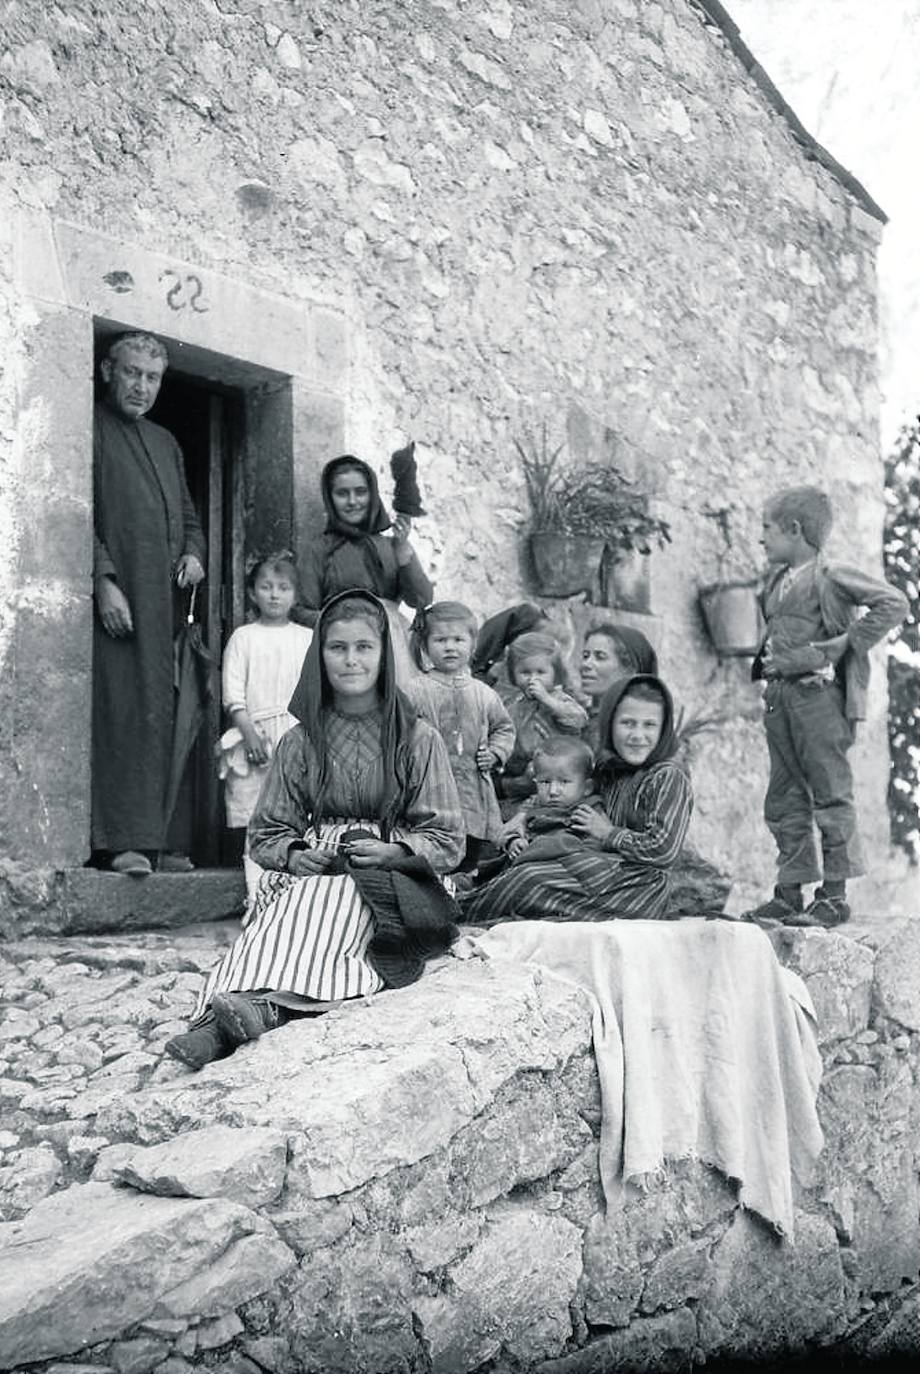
[[472, 218], [463, 1226]]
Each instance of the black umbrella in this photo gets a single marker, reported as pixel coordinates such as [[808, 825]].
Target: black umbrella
[[194, 673]]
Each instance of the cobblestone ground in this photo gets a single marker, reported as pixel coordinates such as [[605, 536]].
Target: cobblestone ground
[[82, 1022]]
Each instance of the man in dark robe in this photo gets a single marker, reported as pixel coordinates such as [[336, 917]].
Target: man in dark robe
[[149, 546]]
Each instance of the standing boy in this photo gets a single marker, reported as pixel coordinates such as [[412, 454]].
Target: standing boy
[[816, 664]]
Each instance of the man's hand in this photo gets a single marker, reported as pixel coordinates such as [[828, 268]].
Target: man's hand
[[114, 610], [307, 863], [486, 759], [515, 846], [587, 821], [373, 853], [189, 571]]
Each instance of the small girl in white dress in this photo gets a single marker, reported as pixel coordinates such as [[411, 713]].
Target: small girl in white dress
[[261, 667]]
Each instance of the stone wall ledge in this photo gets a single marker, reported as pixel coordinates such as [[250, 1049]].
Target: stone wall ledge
[[412, 1184]]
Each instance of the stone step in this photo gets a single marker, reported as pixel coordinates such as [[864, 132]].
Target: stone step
[[93, 900], [89, 900]]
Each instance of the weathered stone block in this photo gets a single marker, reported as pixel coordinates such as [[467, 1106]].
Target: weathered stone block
[[651, 1345], [621, 1245], [351, 1309], [101, 1260], [896, 991], [306, 1224], [398, 1079], [243, 1166], [867, 1172], [520, 1139], [511, 1292], [676, 1275], [767, 1297], [837, 971], [137, 1356]]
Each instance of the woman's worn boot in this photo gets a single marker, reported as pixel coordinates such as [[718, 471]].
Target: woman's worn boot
[[201, 1045], [244, 1016]]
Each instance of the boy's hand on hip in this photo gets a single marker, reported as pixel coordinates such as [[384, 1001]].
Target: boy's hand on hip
[[114, 609], [833, 649]]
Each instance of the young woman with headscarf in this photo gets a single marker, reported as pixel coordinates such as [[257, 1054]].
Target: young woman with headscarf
[[340, 914], [355, 551], [624, 866]]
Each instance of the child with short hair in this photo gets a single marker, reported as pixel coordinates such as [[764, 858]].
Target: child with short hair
[[562, 776], [468, 714], [261, 667], [815, 661], [539, 705]]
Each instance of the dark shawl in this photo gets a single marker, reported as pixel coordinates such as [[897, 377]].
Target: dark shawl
[[144, 521], [375, 521], [313, 693], [413, 914], [609, 763]]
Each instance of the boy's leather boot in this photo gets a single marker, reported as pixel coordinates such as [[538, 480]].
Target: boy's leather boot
[[828, 909], [786, 906]]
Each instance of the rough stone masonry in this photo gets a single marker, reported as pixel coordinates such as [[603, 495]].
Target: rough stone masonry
[[585, 214], [412, 1184]]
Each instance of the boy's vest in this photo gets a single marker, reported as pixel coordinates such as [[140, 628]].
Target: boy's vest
[[794, 617], [816, 608]]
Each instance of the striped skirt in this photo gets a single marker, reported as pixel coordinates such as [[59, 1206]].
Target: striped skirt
[[582, 886], [304, 937]]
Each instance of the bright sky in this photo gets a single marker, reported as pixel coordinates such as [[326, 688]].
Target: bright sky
[[849, 70]]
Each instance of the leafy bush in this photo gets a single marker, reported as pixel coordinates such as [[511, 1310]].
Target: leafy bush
[[902, 568]]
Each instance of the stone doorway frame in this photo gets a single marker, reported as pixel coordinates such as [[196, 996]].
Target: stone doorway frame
[[290, 357]]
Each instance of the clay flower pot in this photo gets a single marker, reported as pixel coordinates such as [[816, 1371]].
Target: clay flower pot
[[565, 563]]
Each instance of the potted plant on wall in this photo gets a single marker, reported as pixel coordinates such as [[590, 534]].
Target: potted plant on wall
[[580, 516], [730, 606]]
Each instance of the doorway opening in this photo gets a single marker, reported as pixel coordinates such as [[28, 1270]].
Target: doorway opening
[[233, 424]]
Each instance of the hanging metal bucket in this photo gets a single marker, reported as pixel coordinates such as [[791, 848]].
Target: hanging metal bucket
[[733, 618]]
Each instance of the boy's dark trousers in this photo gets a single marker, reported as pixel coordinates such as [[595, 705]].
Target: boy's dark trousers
[[808, 737]]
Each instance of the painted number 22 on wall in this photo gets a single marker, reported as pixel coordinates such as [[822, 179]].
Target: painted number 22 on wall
[[183, 292]]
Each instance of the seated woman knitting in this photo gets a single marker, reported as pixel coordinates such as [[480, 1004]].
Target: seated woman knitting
[[622, 867], [357, 817]]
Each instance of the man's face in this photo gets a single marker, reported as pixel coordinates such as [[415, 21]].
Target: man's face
[[133, 377]]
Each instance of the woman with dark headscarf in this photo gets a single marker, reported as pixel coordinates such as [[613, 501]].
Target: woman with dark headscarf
[[354, 551], [630, 845], [608, 653], [357, 817]]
